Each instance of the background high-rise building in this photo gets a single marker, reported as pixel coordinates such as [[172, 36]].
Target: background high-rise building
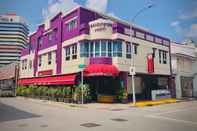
[[13, 37]]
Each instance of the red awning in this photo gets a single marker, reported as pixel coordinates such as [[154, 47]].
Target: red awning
[[51, 80], [101, 70]]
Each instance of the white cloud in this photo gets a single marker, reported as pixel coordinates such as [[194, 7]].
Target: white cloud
[[175, 23], [56, 6], [99, 5]]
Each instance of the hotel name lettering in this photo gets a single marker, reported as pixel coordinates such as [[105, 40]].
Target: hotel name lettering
[[100, 27]]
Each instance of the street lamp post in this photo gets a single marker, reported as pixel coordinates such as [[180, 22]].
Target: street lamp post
[[132, 68]]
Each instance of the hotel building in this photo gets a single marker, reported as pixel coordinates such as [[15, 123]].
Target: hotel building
[[13, 38], [101, 43]]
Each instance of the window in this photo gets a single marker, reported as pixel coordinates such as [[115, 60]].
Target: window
[[97, 48], [72, 25], [25, 64], [50, 37], [117, 48], [140, 34], [22, 64], [49, 58], [39, 41], [67, 53], [160, 51], [149, 37], [154, 51], [40, 61], [30, 64], [103, 48], [158, 40], [128, 50], [84, 49], [74, 51], [164, 57], [91, 49], [135, 46], [55, 35], [166, 42], [109, 48]]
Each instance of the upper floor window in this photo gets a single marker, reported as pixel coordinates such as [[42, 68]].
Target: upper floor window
[[140, 34], [24, 64], [117, 48], [67, 53], [163, 56], [109, 48], [50, 37], [40, 60], [135, 48], [74, 51], [166, 42], [55, 34], [39, 41], [30, 64], [128, 50], [91, 48], [158, 40], [149, 37], [84, 49], [154, 51], [103, 48], [49, 58], [72, 25], [160, 52], [100, 48]]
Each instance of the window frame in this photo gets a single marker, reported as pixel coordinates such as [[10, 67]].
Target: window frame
[[67, 53], [49, 58], [128, 50]]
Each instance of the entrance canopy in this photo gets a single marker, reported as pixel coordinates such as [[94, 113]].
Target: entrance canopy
[[50, 80], [101, 70]]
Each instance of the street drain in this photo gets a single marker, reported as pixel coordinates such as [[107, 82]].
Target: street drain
[[90, 125], [119, 119], [22, 125], [43, 126]]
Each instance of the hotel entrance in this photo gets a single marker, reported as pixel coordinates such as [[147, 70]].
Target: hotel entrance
[[103, 86], [103, 80]]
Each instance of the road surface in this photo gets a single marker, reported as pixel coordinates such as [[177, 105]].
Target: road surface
[[17, 114]]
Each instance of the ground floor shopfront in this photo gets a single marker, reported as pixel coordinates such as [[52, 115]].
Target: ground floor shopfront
[[184, 86], [108, 83]]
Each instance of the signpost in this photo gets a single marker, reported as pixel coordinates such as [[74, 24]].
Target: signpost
[[82, 66]]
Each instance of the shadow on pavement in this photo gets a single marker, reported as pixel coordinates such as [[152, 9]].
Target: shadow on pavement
[[9, 113]]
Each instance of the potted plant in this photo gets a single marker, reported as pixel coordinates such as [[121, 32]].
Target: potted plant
[[122, 95], [86, 93]]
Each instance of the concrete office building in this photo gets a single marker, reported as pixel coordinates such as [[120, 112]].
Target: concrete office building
[[13, 38]]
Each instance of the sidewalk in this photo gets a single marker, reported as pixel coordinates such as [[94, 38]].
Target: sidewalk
[[101, 106]]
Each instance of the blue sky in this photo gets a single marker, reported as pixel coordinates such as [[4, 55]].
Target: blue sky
[[175, 19]]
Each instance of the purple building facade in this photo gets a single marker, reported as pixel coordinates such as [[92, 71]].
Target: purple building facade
[[83, 36]]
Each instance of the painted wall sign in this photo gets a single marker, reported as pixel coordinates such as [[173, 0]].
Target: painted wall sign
[[45, 73], [101, 28]]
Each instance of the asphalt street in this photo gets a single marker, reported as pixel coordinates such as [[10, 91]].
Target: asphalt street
[[18, 114]]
